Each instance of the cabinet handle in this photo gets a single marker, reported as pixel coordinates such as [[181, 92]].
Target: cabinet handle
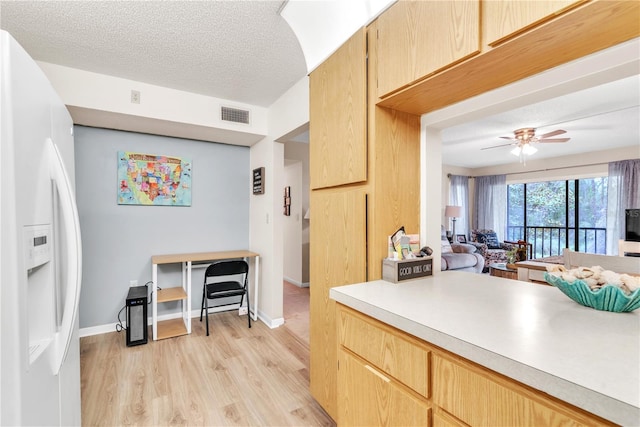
[[374, 371]]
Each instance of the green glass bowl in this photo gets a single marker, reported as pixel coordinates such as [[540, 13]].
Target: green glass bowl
[[607, 298]]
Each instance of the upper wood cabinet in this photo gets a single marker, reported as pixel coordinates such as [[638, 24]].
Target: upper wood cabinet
[[585, 28], [505, 19], [418, 38], [338, 116]]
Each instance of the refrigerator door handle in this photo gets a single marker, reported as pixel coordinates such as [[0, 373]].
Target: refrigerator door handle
[[72, 257]]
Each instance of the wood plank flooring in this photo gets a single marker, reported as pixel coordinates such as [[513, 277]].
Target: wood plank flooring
[[235, 376], [295, 307]]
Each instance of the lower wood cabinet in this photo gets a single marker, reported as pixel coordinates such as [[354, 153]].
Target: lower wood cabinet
[[478, 396], [387, 377], [338, 238], [368, 397], [442, 419]]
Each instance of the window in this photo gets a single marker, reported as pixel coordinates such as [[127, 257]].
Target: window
[[546, 213]]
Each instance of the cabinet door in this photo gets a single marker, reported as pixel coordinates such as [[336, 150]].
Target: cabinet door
[[369, 398], [337, 257], [393, 352], [507, 18], [338, 116], [418, 38], [478, 396]]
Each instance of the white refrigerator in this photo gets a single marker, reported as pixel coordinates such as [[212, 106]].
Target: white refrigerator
[[40, 249]]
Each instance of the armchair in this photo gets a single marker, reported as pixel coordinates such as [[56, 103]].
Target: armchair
[[490, 248]]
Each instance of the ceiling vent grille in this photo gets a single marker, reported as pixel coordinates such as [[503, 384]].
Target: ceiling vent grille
[[235, 115]]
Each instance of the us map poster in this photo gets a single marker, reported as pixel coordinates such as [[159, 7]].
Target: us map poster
[[149, 179]]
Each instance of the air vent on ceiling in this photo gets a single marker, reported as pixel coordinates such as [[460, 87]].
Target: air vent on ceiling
[[234, 115]]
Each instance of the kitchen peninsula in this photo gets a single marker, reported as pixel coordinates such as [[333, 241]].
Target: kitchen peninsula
[[531, 350]]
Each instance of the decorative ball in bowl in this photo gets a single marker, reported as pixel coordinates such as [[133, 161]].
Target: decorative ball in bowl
[[606, 298]]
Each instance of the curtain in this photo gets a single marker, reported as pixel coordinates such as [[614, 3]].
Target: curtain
[[459, 196], [491, 204], [623, 192]]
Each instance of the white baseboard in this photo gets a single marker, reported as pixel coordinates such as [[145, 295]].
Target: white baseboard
[[271, 323], [97, 330], [295, 282], [111, 327]]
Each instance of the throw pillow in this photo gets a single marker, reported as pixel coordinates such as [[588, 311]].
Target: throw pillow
[[490, 239]]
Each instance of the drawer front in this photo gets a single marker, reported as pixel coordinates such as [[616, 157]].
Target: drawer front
[[391, 351], [367, 397], [442, 419], [480, 397]]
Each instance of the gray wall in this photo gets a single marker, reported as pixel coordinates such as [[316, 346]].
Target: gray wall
[[119, 240]]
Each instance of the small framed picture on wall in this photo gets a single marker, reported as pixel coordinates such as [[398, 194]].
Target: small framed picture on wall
[[461, 238]]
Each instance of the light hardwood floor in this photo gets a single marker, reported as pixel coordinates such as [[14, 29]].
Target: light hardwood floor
[[295, 307], [235, 376]]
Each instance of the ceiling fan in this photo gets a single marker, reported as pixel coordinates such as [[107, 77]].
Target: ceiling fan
[[523, 138]]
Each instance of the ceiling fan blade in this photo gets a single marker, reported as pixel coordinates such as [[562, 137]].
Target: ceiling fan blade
[[507, 137], [554, 133], [554, 140], [496, 146]]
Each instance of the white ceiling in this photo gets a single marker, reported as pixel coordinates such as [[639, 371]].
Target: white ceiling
[[244, 51], [595, 99], [596, 119], [241, 51]]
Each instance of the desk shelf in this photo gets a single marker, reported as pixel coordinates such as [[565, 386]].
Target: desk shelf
[[171, 294], [162, 329], [171, 328]]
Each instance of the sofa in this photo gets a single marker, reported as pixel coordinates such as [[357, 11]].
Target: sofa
[[459, 256]]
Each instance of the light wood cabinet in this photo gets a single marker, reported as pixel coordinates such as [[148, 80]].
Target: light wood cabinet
[[383, 375], [337, 257], [370, 398], [442, 419], [561, 36], [338, 117], [505, 19], [478, 396], [418, 38], [399, 356], [394, 170], [375, 372], [349, 231]]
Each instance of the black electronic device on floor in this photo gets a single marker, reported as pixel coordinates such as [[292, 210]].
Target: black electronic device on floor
[[137, 331]]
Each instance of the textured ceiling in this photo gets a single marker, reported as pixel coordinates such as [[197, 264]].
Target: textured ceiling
[[242, 51]]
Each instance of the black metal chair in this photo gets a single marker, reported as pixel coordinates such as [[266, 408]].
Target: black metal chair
[[224, 289]]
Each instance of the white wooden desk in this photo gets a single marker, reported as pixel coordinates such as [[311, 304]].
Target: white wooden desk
[[176, 327]]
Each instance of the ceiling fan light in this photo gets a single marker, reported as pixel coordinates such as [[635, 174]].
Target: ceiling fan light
[[528, 149], [516, 151]]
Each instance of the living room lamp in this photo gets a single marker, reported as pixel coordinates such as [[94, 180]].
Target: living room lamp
[[453, 212]]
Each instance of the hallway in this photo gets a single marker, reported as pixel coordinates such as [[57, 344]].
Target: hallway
[[296, 310]]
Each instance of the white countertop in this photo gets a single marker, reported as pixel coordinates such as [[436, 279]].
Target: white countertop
[[529, 332]]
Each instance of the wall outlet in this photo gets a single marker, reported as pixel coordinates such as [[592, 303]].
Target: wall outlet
[[133, 283], [135, 97], [242, 311]]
